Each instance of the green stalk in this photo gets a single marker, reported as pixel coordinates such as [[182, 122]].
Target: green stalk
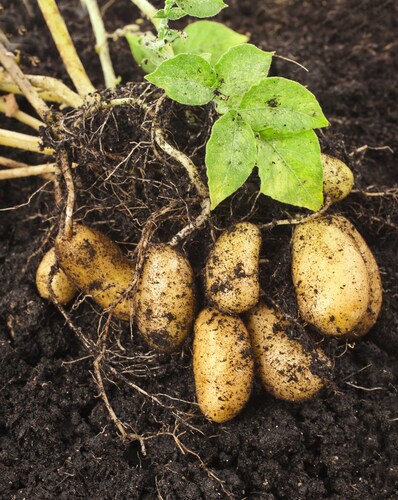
[[102, 47], [148, 10]]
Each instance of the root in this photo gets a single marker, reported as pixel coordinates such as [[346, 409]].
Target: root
[[194, 225], [299, 219], [70, 198], [15, 173]]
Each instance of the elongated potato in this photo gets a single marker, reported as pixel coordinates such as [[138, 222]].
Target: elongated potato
[[231, 272], [376, 288], [336, 277], [165, 300], [96, 265], [61, 286], [287, 370], [222, 364], [338, 179]]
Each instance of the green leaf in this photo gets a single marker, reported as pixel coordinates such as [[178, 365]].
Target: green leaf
[[283, 106], [241, 67], [201, 8], [144, 56], [290, 169], [186, 78], [208, 37], [230, 156], [174, 14]]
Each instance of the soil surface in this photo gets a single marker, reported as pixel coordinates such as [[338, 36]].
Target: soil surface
[[56, 437]]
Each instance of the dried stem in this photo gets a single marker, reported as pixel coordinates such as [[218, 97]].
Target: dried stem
[[20, 115], [23, 141], [12, 68], [101, 39], [15, 173], [65, 46]]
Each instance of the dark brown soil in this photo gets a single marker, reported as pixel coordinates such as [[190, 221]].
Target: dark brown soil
[[56, 438]]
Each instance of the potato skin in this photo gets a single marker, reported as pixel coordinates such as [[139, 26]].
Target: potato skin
[[63, 289], [375, 284], [231, 272], [222, 364], [165, 300], [338, 179], [96, 265], [286, 369], [330, 276]]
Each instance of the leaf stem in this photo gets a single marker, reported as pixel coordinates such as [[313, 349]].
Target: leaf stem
[[148, 10], [65, 46], [20, 116], [23, 141], [102, 47]]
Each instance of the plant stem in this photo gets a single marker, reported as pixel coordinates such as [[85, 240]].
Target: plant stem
[[148, 10], [21, 116], [7, 162], [53, 85], [23, 141], [102, 47], [15, 173], [10, 65], [66, 49]]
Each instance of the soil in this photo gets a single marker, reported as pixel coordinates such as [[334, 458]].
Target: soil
[[56, 437]]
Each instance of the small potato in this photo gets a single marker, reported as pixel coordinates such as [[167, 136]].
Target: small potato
[[336, 277], [96, 265], [338, 179], [287, 370], [231, 271], [62, 288], [222, 364], [165, 300], [376, 288]]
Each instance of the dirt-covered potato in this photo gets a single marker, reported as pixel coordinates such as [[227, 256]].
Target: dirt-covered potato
[[63, 290], [375, 284], [231, 271], [338, 179], [222, 364], [287, 369], [165, 300], [97, 266], [336, 277]]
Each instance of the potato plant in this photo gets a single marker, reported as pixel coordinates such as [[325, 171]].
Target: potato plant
[[261, 121]]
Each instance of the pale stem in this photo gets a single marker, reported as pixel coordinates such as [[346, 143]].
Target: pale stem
[[23, 141], [15, 173], [7, 162], [12, 88], [11, 66], [20, 116], [101, 39], [65, 46], [148, 10], [57, 87]]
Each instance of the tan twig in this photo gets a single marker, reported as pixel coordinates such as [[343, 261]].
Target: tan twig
[[65, 46], [299, 219], [70, 197], [15, 173], [23, 141], [19, 115], [10, 65]]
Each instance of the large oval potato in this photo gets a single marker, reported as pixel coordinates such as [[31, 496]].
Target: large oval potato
[[287, 370], [62, 288], [376, 288], [96, 265], [336, 277], [222, 364], [330, 276], [338, 179], [231, 272], [165, 300]]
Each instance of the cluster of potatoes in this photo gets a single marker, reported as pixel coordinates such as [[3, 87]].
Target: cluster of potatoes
[[334, 273]]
